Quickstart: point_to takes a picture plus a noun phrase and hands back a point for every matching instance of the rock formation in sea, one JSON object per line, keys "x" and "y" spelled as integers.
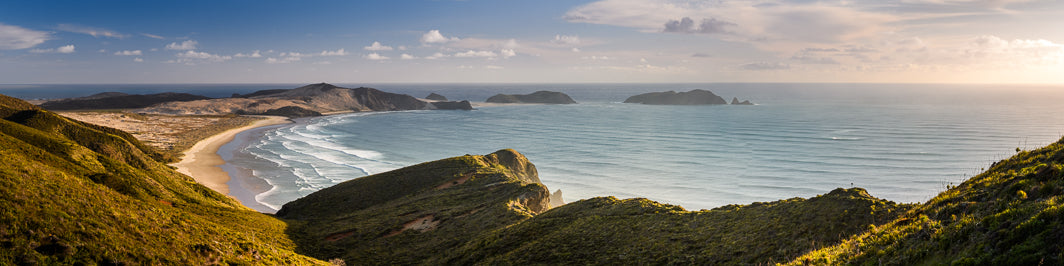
{"x": 735, "y": 101}
{"x": 436, "y": 97}
{"x": 694, "y": 97}
{"x": 548, "y": 97}
{"x": 445, "y": 105}
{"x": 118, "y": 100}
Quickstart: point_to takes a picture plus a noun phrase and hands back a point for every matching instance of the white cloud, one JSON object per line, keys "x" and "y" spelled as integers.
{"x": 707, "y": 26}
{"x": 185, "y": 45}
{"x": 434, "y": 36}
{"x": 493, "y": 67}
{"x": 138, "y": 60}
{"x": 375, "y": 57}
{"x": 192, "y": 57}
{"x": 153, "y": 36}
{"x": 339, "y": 52}
{"x": 376, "y": 46}
{"x": 95, "y": 32}
{"x": 472, "y": 53}
{"x": 575, "y": 50}
{"x": 406, "y": 57}
{"x": 128, "y": 52}
{"x": 15, "y": 37}
{"x": 283, "y": 60}
{"x": 66, "y": 49}
{"x": 566, "y": 40}
{"x": 507, "y": 53}
{"x": 254, "y": 54}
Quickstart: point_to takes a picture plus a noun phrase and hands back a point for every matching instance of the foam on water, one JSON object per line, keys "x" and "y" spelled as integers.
{"x": 694, "y": 156}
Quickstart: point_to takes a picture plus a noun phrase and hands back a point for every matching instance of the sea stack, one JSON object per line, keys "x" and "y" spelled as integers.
{"x": 735, "y": 101}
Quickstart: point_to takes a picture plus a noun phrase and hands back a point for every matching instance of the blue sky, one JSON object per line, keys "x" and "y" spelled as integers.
{"x": 936, "y": 41}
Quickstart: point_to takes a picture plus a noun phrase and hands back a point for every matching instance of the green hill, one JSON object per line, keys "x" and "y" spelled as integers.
{"x": 1012, "y": 214}
{"x": 75, "y": 193}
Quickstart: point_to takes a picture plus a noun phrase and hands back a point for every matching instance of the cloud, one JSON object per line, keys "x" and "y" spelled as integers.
{"x": 192, "y": 57}
{"x": 406, "y": 57}
{"x": 340, "y": 52}
{"x": 992, "y": 51}
{"x": 153, "y": 36}
{"x": 15, "y": 37}
{"x": 493, "y": 67}
{"x": 66, "y": 49}
{"x": 282, "y": 60}
{"x": 436, "y": 56}
{"x": 707, "y": 26}
{"x": 185, "y": 45}
{"x": 507, "y": 53}
{"x": 566, "y": 40}
{"x": 376, "y": 46}
{"x": 765, "y": 66}
{"x": 95, "y": 32}
{"x": 434, "y": 36}
{"x": 128, "y": 52}
{"x": 472, "y": 53}
{"x": 812, "y": 60}
{"x": 375, "y": 57}
{"x": 701, "y": 55}
{"x": 254, "y": 54}
{"x": 138, "y": 60}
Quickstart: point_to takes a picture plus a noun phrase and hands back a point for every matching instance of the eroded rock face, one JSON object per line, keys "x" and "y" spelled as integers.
{"x": 694, "y": 97}
{"x": 548, "y": 97}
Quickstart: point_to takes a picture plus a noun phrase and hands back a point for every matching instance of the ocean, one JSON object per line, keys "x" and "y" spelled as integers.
{"x": 902, "y": 142}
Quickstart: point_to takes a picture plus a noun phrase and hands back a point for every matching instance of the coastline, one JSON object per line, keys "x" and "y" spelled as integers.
{"x": 202, "y": 161}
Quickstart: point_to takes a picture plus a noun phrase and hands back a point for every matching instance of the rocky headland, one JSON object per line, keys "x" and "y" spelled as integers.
{"x": 543, "y": 97}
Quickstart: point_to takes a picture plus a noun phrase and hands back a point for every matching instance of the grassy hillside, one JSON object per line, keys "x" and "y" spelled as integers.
{"x": 75, "y": 193}
{"x": 415, "y": 213}
{"x": 638, "y": 231}
{"x": 1012, "y": 214}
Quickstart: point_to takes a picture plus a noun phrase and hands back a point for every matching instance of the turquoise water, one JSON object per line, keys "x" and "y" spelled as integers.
{"x": 901, "y": 142}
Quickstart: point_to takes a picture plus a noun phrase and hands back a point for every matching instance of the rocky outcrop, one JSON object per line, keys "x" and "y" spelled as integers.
{"x": 463, "y": 105}
{"x": 548, "y": 97}
{"x": 694, "y": 97}
{"x": 735, "y": 101}
{"x": 118, "y": 100}
{"x": 436, "y": 97}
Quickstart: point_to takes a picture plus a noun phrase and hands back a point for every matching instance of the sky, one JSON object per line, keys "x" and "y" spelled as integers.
{"x": 546, "y": 41}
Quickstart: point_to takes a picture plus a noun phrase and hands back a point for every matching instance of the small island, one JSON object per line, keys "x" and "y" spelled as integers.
{"x": 694, "y": 97}
{"x": 547, "y": 97}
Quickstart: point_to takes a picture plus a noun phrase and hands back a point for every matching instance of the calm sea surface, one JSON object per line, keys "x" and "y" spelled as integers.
{"x": 901, "y": 142}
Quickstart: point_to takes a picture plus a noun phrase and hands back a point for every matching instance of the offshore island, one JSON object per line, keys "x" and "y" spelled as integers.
{"x": 82, "y": 193}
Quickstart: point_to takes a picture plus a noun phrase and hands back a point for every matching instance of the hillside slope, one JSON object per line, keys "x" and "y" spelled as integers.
{"x": 75, "y": 193}
{"x": 1012, "y": 214}
{"x": 117, "y": 100}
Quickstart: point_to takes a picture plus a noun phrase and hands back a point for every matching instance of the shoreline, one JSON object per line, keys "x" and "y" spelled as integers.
{"x": 202, "y": 162}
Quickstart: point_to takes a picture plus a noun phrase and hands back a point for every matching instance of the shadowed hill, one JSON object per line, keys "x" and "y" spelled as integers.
{"x": 548, "y": 97}
{"x": 74, "y": 193}
{"x": 1012, "y": 214}
{"x": 117, "y": 100}
{"x": 693, "y": 97}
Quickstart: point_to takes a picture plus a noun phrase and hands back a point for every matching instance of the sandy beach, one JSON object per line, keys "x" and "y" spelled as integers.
{"x": 202, "y": 161}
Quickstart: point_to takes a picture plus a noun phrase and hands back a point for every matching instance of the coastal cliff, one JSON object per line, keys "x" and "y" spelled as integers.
{"x": 547, "y": 97}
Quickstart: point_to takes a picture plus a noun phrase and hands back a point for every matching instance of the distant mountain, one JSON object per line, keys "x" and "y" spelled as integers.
{"x": 693, "y": 97}
{"x": 548, "y": 97}
{"x": 311, "y": 100}
{"x": 118, "y": 100}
